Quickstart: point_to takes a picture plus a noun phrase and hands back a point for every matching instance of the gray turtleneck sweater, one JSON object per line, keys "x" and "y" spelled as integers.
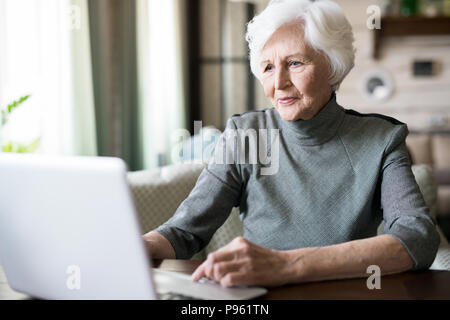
{"x": 338, "y": 176}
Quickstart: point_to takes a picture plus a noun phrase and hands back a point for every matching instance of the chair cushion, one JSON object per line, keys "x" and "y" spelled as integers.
{"x": 159, "y": 192}
{"x": 442, "y": 261}
{"x": 425, "y": 179}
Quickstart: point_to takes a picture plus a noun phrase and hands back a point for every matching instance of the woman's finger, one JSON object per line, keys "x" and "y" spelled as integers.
{"x": 199, "y": 272}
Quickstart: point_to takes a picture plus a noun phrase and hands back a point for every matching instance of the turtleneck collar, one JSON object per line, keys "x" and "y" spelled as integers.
{"x": 318, "y": 130}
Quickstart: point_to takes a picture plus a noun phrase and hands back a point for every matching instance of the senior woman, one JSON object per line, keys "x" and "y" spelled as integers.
{"x": 340, "y": 172}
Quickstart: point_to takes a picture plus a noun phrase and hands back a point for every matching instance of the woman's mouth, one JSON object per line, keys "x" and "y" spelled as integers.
{"x": 287, "y": 101}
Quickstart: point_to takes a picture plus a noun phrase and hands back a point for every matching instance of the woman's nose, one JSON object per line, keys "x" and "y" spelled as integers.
{"x": 282, "y": 79}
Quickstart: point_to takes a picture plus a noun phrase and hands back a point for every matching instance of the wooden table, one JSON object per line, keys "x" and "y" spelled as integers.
{"x": 429, "y": 284}
{"x": 404, "y": 286}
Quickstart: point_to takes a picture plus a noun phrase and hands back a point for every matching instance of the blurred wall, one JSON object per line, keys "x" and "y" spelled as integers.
{"x": 418, "y": 101}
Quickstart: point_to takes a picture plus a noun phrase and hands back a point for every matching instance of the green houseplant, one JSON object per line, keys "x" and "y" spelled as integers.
{"x": 11, "y": 146}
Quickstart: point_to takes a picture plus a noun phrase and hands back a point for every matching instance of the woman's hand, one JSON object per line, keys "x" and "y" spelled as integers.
{"x": 244, "y": 263}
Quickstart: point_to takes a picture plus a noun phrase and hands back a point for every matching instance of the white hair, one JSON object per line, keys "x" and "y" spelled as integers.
{"x": 326, "y": 29}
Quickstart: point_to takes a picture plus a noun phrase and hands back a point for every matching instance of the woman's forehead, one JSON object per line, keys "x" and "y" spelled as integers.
{"x": 285, "y": 49}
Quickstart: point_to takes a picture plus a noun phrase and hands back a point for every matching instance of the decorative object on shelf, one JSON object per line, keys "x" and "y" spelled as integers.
{"x": 423, "y": 68}
{"x": 11, "y": 146}
{"x": 431, "y": 8}
{"x": 409, "y": 26}
{"x": 377, "y": 86}
{"x": 409, "y": 8}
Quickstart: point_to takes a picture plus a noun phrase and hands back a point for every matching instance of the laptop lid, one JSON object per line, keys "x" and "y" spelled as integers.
{"x": 68, "y": 229}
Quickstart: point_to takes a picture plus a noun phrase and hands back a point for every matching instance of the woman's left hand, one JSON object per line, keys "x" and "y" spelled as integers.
{"x": 244, "y": 263}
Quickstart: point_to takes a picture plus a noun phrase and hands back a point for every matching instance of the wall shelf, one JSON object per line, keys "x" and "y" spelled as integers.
{"x": 409, "y": 26}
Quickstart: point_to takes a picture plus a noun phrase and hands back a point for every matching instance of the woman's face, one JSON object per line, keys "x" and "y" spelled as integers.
{"x": 295, "y": 77}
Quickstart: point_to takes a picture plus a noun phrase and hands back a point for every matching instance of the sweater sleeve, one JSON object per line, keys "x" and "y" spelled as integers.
{"x": 217, "y": 191}
{"x": 405, "y": 213}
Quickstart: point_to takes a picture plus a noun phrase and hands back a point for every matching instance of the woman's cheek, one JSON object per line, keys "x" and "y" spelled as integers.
{"x": 307, "y": 84}
{"x": 268, "y": 88}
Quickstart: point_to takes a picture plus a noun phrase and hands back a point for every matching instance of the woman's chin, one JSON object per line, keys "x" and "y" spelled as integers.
{"x": 289, "y": 115}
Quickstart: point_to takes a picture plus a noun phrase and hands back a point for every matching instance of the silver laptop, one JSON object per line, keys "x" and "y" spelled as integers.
{"x": 69, "y": 230}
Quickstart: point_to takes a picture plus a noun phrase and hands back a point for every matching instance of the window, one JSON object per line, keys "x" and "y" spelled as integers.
{"x": 37, "y": 57}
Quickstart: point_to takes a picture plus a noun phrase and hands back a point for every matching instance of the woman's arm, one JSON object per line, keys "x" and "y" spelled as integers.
{"x": 350, "y": 259}
{"x": 158, "y": 246}
{"x": 244, "y": 263}
{"x": 216, "y": 192}
{"x": 405, "y": 213}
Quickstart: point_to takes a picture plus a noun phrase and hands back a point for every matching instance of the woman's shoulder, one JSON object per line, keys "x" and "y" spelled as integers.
{"x": 373, "y": 117}
{"x": 373, "y": 127}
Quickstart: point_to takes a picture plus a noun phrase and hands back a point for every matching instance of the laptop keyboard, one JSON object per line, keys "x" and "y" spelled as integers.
{"x": 172, "y": 285}
{"x": 178, "y": 296}
{"x": 175, "y": 296}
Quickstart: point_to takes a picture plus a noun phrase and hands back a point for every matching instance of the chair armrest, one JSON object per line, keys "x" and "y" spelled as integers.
{"x": 425, "y": 179}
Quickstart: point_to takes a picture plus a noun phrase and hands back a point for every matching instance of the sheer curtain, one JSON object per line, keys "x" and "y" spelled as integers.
{"x": 44, "y": 52}
{"x": 161, "y": 69}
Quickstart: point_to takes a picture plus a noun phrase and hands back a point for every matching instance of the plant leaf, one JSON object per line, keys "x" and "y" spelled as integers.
{"x": 31, "y": 147}
{"x": 7, "y": 147}
{"x": 17, "y": 103}
{"x": 21, "y": 148}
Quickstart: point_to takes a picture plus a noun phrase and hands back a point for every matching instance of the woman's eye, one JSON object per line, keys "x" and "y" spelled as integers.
{"x": 268, "y": 68}
{"x": 295, "y": 63}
